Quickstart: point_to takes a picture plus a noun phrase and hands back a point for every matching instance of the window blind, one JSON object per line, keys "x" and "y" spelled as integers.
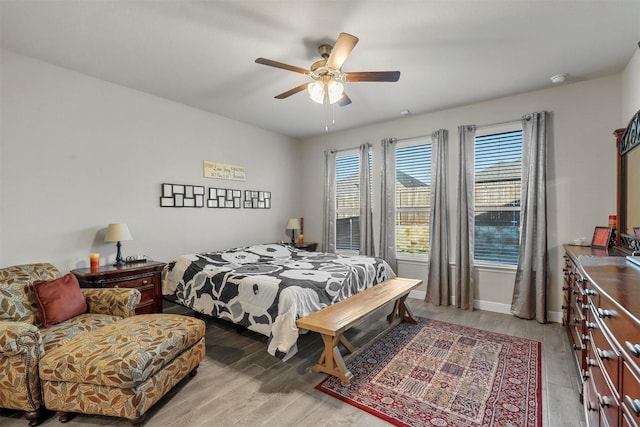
{"x": 498, "y": 176}
{"x": 413, "y": 197}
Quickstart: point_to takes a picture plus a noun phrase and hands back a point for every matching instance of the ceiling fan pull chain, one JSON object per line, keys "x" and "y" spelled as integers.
{"x": 326, "y": 109}
{"x": 333, "y": 114}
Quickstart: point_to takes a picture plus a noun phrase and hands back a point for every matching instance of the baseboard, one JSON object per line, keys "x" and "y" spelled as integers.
{"x": 496, "y": 307}
{"x": 555, "y": 316}
{"x": 421, "y": 295}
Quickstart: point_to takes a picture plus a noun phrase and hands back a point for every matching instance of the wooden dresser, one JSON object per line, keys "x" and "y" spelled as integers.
{"x": 602, "y": 318}
{"x": 144, "y": 276}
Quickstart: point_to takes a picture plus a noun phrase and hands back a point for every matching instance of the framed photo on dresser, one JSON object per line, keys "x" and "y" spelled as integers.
{"x": 601, "y": 237}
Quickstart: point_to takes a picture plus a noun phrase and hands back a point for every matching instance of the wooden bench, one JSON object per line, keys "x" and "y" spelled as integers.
{"x": 331, "y": 322}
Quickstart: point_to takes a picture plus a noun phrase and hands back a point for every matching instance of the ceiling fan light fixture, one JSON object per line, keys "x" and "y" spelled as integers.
{"x": 336, "y": 89}
{"x": 316, "y": 92}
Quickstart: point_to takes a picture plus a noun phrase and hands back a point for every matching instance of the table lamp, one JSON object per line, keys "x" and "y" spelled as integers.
{"x": 118, "y": 233}
{"x": 293, "y": 224}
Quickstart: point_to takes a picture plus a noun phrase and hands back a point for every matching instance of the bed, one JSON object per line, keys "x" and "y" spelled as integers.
{"x": 265, "y": 288}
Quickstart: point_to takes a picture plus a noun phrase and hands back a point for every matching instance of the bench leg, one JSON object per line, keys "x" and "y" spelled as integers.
{"x": 331, "y": 361}
{"x": 401, "y": 311}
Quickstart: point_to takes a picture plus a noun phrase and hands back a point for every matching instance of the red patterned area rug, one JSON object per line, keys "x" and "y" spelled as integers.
{"x": 439, "y": 374}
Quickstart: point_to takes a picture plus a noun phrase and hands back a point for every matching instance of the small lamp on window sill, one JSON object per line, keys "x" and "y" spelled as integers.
{"x": 118, "y": 233}
{"x": 293, "y": 224}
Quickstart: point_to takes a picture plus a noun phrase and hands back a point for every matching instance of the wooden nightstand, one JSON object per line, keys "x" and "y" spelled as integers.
{"x": 144, "y": 276}
{"x": 311, "y": 247}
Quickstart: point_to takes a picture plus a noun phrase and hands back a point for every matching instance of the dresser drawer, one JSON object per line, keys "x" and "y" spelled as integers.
{"x": 603, "y": 350}
{"x": 627, "y": 421}
{"x": 618, "y": 323}
{"x": 631, "y": 393}
{"x": 604, "y": 397}
{"x": 591, "y": 406}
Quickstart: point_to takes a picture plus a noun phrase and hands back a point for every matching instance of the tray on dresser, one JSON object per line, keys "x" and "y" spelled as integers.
{"x": 634, "y": 259}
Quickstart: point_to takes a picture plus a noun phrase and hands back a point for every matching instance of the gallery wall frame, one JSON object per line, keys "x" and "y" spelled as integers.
{"x": 257, "y": 199}
{"x": 182, "y": 196}
{"x": 224, "y": 198}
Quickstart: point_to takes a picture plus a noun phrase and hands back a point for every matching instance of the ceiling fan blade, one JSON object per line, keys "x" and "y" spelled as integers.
{"x": 290, "y": 92}
{"x": 344, "y": 101}
{"x": 277, "y": 64}
{"x": 372, "y": 76}
{"x": 340, "y": 52}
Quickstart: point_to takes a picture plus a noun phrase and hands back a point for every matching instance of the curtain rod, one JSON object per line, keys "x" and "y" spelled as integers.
{"x": 508, "y": 122}
{"x": 333, "y": 150}
{"x": 429, "y": 135}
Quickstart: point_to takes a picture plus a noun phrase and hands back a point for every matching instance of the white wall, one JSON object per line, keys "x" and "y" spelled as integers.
{"x": 77, "y": 153}
{"x": 581, "y": 169}
{"x": 631, "y": 88}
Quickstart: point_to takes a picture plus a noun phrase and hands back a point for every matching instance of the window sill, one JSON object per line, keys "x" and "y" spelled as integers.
{"x": 491, "y": 266}
{"x": 423, "y": 260}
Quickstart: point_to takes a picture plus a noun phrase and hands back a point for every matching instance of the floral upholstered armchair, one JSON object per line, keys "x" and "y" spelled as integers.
{"x": 24, "y": 339}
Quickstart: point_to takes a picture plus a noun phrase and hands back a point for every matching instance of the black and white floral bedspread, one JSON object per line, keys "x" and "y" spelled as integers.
{"x": 267, "y": 287}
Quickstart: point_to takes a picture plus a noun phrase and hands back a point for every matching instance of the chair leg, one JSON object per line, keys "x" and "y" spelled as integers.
{"x": 64, "y": 417}
{"x": 137, "y": 422}
{"x": 34, "y": 417}
{"x": 194, "y": 371}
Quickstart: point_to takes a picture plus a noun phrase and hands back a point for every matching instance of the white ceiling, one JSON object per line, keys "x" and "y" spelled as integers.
{"x": 450, "y": 53}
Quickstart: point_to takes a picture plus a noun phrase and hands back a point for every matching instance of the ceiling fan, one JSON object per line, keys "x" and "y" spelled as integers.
{"x": 327, "y": 74}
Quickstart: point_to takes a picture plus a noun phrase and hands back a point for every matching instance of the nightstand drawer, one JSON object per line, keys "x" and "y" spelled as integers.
{"x": 128, "y": 282}
{"x": 145, "y": 277}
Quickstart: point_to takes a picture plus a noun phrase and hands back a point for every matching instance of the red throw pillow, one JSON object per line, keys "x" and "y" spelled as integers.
{"x": 59, "y": 299}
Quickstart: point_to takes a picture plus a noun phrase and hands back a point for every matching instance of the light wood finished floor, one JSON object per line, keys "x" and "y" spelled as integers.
{"x": 239, "y": 384}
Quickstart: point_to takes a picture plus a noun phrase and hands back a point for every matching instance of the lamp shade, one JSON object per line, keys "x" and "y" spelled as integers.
{"x": 117, "y": 233}
{"x": 293, "y": 224}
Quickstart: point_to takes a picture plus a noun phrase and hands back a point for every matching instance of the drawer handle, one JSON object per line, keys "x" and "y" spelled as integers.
{"x": 634, "y": 404}
{"x": 591, "y": 407}
{"x": 585, "y": 338}
{"x": 606, "y": 401}
{"x": 144, "y": 282}
{"x": 591, "y": 325}
{"x": 606, "y": 313}
{"x": 591, "y": 292}
{"x": 606, "y": 354}
{"x": 565, "y": 288}
{"x": 633, "y": 348}
{"x": 585, "y": 306}
{"x": 592, "y": 362}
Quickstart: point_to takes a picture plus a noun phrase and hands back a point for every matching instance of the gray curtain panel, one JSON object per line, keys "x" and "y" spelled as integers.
{"x": 388, "y": 203}
{"x": 532, "y": 277}
{"x": 438, "y": 283}
{"x": 464, "y": 286}
{"x": 366, "y": 215}
{"x": 329, "y": 208}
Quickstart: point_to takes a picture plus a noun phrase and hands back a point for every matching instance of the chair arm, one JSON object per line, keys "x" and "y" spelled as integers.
{"x": 20, "y": 338}
{"x": 114, "y": 301}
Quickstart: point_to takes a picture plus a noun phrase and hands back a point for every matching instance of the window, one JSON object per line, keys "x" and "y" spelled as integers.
{"x": 413, "y": 197}
{"x": 348, "y": 202}
{"x": 498, "y": 176}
